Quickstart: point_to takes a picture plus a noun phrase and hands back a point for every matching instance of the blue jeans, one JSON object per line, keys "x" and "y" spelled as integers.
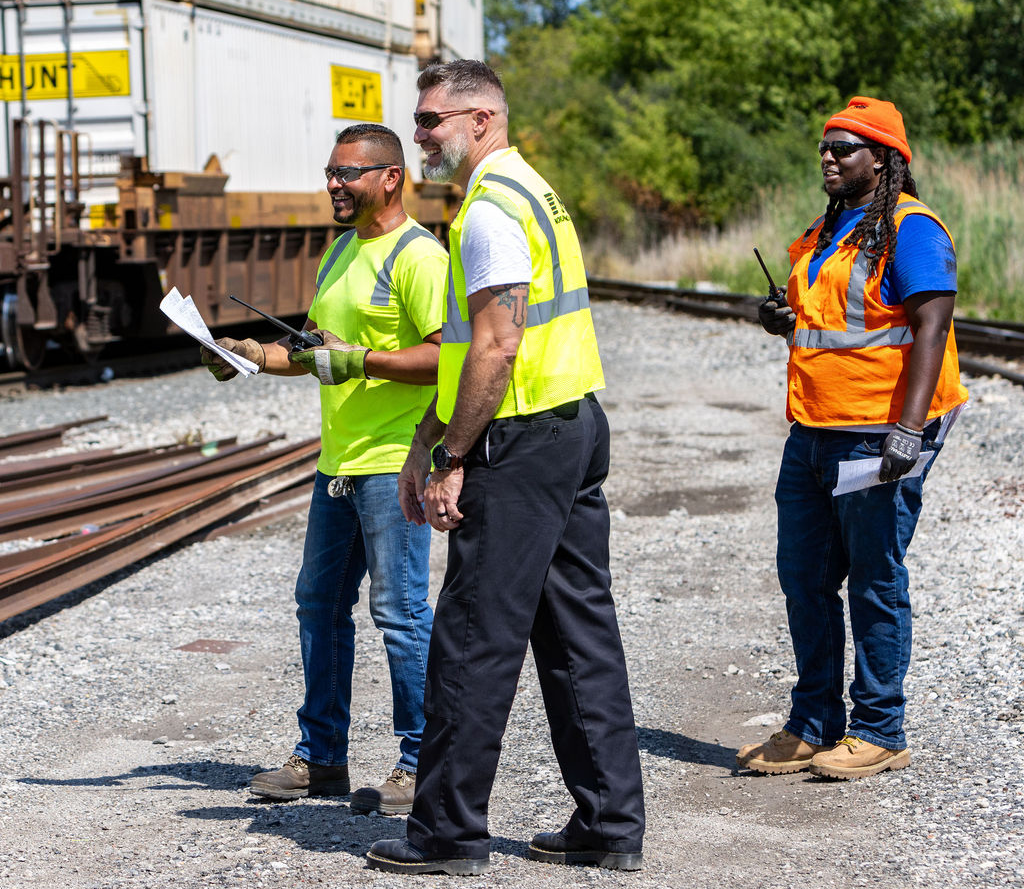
{"x": 861, "y": 537}
{"x": 346, "y": 537}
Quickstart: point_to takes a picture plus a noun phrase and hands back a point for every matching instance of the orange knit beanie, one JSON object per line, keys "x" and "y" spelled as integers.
{"x": 875, "y": 120}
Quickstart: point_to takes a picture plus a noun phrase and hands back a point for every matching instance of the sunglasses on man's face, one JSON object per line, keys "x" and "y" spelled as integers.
{"x": 348, "y": 174}
{"x": 428, "y": 120}
{"x": 842, "y": 149}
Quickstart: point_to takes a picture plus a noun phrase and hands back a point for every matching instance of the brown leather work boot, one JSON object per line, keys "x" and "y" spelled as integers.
{"x": 856, "y": 758}
{"x": 781, "y": 754}
{"x": 393, "y": 797}
{"x": 298, "y": 778}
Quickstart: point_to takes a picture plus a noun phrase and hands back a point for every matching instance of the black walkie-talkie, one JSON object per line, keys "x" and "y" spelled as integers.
{"x": 777, "y": 296}
{"x": 299, "y": 339}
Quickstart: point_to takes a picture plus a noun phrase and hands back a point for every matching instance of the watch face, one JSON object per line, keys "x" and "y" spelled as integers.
{"x": 445, "y": 459}
{"x": 440, "y": 456}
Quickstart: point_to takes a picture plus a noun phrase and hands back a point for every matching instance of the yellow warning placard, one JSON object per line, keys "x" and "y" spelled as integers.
{"x": 100, "y": 73}
{"x": 356, "y": 94}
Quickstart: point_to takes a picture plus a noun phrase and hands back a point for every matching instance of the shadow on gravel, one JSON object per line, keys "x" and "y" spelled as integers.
{"x": 325, "y": 827}
{"x": 205, "y": 774}
{"x": 683, "y": 748}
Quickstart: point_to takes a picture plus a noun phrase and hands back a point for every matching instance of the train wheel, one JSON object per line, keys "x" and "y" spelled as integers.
{"x": 22, "y": 346}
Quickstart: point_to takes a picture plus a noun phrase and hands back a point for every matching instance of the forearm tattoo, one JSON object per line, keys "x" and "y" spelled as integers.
{"x": 515, "y": 297}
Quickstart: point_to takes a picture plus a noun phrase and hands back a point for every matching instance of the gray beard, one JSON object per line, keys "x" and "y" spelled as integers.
{"x": 453, "y": 153}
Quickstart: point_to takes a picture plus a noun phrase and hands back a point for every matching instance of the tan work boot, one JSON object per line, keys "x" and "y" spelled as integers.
{"x": 393, "y": 797}
{"x": 781, "y": 754}
{"x": 298, "y": 778}
{"x": 856, "y": 758}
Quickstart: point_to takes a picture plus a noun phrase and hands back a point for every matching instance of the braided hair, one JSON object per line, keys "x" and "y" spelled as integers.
{"x": 875, "y": 234}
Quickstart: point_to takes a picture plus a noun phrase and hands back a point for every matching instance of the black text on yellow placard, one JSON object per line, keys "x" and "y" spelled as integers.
{"x": 356, "y": 94}
{"x": 100, "y": 73}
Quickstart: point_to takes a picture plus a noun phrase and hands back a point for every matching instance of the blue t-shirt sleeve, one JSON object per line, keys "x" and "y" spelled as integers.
{"x": 924, "y": 260}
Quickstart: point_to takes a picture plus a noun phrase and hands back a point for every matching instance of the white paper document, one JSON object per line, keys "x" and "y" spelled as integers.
{"x": 183, "y": 312}
{"x": 855, "y": 475}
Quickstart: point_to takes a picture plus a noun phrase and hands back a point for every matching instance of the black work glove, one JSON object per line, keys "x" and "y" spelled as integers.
{"x": 220, "y": 368}
{"x": 776, "y": 317}
{"x": 899, "y": 453}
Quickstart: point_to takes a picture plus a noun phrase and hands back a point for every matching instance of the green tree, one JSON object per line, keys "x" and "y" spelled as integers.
{"x": 651, "y": 114}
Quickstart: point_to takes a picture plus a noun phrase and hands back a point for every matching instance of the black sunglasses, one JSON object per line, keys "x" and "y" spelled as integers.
{"x": 347, "y": 174}
{"x": 843, "y": 149}
{"x": 430, "y": 119}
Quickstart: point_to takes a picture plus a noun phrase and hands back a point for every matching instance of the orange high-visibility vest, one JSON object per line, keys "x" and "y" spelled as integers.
{"x": 848, "y": 352}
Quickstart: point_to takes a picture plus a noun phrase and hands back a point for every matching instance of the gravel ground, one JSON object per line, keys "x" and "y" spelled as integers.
{"x": 126, "y": 758}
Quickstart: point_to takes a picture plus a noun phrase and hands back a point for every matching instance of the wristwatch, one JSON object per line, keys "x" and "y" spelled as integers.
{"x": 445, "y": 459}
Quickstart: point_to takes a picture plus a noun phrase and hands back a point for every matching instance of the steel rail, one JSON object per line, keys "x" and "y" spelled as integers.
{"x": 97, "y": 555}
{"x": 261, "y": 512}
{"x": 47, "y": 472}
{"x": 39, "y": 439}
{"x": 54, "y": 517}
{"x": 105, "y": 491}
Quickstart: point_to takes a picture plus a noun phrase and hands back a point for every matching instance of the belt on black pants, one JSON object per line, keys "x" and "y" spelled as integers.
{"x": 567, "y": 411}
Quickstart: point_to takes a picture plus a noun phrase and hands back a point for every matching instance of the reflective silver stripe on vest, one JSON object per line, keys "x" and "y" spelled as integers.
{"x": 844, "y": 339}
{"x": 339, "y": 245}
{"x": 382, "y": 289}
{"x": 455, "y": 330}
{"x": 856, "y": 336}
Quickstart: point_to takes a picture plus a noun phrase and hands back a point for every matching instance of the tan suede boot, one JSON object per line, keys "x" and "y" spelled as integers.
{"x": 781, "y": 754}
{"x": 856, "y": 758}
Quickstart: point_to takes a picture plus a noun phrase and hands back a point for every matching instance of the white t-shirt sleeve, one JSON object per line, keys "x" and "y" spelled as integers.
{"x": 493, "y": 248}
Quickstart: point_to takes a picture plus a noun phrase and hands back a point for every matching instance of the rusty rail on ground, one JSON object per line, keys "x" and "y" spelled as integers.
{"x": 102, "y": 511}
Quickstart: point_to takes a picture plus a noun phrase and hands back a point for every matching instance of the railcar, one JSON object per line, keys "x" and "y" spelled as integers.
{"x": 150, "y": 143}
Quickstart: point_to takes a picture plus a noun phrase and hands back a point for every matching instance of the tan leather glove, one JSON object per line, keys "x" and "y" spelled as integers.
{"x": 220, "y": 369}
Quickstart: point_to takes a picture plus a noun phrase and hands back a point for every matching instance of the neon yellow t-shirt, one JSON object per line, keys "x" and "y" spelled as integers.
{"x": 385, "y": 293}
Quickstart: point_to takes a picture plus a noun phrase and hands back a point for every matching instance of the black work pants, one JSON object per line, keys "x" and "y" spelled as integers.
{"x": 529, "y": 563}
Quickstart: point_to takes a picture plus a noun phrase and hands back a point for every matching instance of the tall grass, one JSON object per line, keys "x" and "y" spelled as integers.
{"x": 976, "y": 191}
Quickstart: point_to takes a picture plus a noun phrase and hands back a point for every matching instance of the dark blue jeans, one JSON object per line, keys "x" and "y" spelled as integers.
{"x": 861, "y": 537}
{"x": 346, "y": 537}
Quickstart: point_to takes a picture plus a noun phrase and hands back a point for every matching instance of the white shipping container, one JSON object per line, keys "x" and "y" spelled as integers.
{"x": 265, "y": 85}
{"x": 264, "y": 99}
{"x": 462, "y": 29}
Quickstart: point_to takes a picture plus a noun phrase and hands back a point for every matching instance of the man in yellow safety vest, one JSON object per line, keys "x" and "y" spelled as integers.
{"x": 520, "y": 450}
{"x": 377, "y": 306}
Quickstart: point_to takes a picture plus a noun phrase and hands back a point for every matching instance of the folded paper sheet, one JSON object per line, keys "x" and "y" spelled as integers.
{"x": 855, "y": 475}
{"x": 183, "y": 312}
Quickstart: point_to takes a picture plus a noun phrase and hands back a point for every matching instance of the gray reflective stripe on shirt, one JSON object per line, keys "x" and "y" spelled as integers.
{"x": 856, "y": 336}
{"x": 339, "y": 245}
{"x": 455, "y": 330}
{"x": 382, "y": 289}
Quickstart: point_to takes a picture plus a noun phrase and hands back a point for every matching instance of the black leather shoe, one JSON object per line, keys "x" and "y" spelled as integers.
{"x": 556, "y": 848}
{"x": 402, "y": 857}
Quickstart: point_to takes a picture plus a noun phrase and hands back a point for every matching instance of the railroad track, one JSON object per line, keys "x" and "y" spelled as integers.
{"x": 992, "y": 339}
{"x": 100, "y": 511}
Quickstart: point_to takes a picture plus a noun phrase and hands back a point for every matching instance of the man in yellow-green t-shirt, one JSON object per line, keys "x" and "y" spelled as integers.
{"x": 378, "y": 302}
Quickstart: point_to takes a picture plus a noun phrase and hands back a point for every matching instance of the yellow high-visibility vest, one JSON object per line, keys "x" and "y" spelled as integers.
{"x": 557, "y": 361}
